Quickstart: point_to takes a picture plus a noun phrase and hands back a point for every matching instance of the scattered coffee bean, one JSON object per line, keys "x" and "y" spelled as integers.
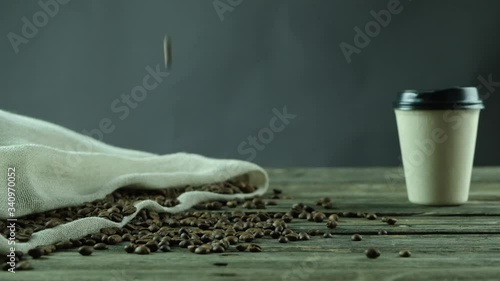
{"x": 283, "y": 239}
{"x": 254, "y": 248}
{"x": 327, "y": 235}
{"x": 384, "y": 219}
{"x": 356, "y": 237}
{"x": 201, "y": 251}
{"x": 319, "y": 217}
{"x": 142, "y": 250}
{"x": 85, "y": 250}
{"x": 242, "y": 247}
{"x": 304, "y": 236}
{"x": 404, "y": 253}
{"x": 35, "y": 253}
{"x": 23, "y": 265}
{"x": 164, "y": 248}
{"x": 382, "y": 232}
{"x": 333, "y": 217}
{"x": 331, "y": 224}
{"x": 100, "y": 246}
{"x": 129, "y": 248}
{"x": 391, "y": 221}
{"x": 152, "y": 245}
{"x": 372, "y": 253}
{"x": 371, "y": 216}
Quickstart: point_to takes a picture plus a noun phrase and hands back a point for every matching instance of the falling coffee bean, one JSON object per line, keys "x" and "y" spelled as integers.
{"x": 404, "y": 253}
{"x": 356, "y": 237}
{"x": 372, "y": 253}
{"x": 85, "y": 250}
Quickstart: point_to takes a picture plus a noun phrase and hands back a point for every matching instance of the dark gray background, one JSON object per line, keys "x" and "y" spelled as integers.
{"x": 228, "y": 75}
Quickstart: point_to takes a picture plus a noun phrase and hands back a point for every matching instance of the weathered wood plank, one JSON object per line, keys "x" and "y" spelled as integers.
{"x": 448, "y": 243}
{"x": 477, "y": 256}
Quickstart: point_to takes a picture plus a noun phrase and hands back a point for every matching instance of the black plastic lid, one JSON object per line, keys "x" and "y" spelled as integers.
{"x": 451, "y": 98}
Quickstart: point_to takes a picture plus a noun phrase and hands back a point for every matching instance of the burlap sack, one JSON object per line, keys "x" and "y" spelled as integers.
{"x": 56, "y": 167}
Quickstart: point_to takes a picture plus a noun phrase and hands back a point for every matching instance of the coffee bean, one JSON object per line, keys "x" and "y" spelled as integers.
{"x": 349, "y": 214}
{"x": 319, "y": 217}
{"x": 391, "y": 221}
{"x": 283, "y": 239}
{"x": 356, "y": 237}
{"x": 292, "y": 237}
{"x": 191, "y": 248}
{"x": 382, "y": 232}
{"x": 331, "y": 224}
{"x": 275, "y": 234}
{"x": 201, "y": 251}
{"x": 404, "y": 253}
{"x": 164, "y": 248}
{"x": 23, "y": 265}
{"x": 242, "y": 247}
{"x": 328, "y": 205}
{"x": 233, "y": 240}
{"x": 304, "y": 236}
{"x": 372, "y": 253}
{"x": 114, "y": 239}
{"x": 327, "y": 235}
{"x": 246, "y": 237}
{"x": 129, "y": 248}
{"x": 315, "y": 232}
{"x": 217, "y": 248}
{"x": 371, "y": 216}
{"x": 152, "y": 245}
{"x": 185, "y": 243}
{"x": 384, "y": 219}
{"x": 287, "y": 218}
{"x": 85, "y": 250}
{"x": 254, "y": 248}
{"x": 142, "y": 250}
{"x": 89, "y": 242}
{"x": 100, "y": 246}
{"x": 303, "y": 215}
{"x": 35, "y": 253}
{"x": 333, "y": 217}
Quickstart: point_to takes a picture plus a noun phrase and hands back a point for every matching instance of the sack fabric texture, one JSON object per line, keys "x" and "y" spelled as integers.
{"x": 53, "y": 167}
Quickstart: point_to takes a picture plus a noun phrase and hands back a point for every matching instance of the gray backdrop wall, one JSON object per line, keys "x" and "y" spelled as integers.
{"x": 237, "y": 62}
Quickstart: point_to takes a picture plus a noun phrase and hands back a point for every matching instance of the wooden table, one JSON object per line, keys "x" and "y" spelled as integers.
{"x": 447, "y": 243}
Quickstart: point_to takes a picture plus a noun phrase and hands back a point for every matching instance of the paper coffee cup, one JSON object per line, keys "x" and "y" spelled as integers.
{"x": 437, "y": 134}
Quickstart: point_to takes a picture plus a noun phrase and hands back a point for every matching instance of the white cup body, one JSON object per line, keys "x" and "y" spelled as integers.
{"x": 437, "y": 148}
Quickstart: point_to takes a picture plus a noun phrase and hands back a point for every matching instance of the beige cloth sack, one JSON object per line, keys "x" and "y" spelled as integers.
{"x": 56, "y": 167}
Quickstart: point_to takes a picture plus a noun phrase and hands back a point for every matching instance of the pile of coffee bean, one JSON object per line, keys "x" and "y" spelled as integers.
{"x": 207, "y": 228}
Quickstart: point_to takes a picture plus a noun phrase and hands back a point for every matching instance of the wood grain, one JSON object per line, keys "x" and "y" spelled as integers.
{"x": 447, "y": 243}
